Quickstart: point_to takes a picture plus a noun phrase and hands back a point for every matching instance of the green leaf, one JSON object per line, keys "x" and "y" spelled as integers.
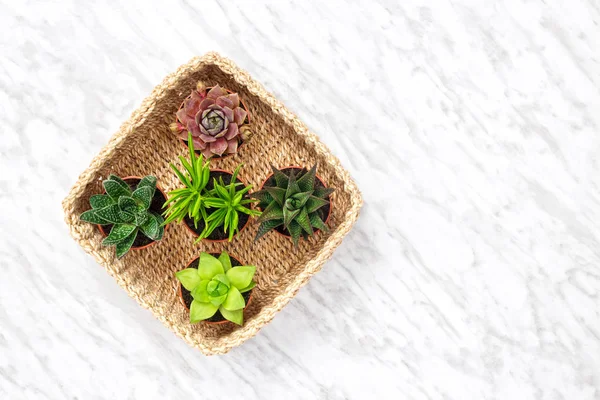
{"x": 292, "y": 187}
{"x": 218, "y": 215}
{"x": 223, "y": 279}
{"x": 263, "y": 196}
{"x": 304, "y": 222}
{"x": 248, "y": 288}
{"x": 118, "y": 233}
{"x": 248, "y": 211}
{"x": 141, "y": 217}
{"x": 187, "y": 166}
{"x": 240, "y": 277}
{"x": 240, "y": 193}
{"x": 189, "y": 278}
{"x": 113, "y": 214}
{"x": 281, "y": 179}
{"x": 197, "y": 165}
{"x": 236, "y": 316}
{"x": 201, "y": 311}
{"x": 217, "y": 301}
{"x": 307, "y": 181}
{"x": 267, "y": 226}
{"x": 143, "y": 195}
{"x": 323, "y": 192}
{"x": 234, "y": 300}
{"x": 233, "y": 227}
{"x": 212, "y": 225}
{"x": 205, "y": 176}
{"x": 314, "y": 203}
{"x": 214, "y": 202}
{"x": 209, "y": 266}
{"x": 221, "y": 191}
{"x": 92, "y": 217}
{"x": 273, "y": 211}
{"x": 233, "y": 180}
{"x": 317, "y": 222}
{"x": 295, "y": 230}
{"x": 200, "y": 293}
{"x": 128, "y": 204}
{"x": 123, "y": 247}
{"x": 161, "y": 228}
{"x": 190, "y": 143}
{"x": 116, "y": 189}
{"x": 115, "y": 178}
{"x": 148, "y": 181}
{"x": 197, "y": 204}
{"x": 181, "y": 177}
{"x": 289, "y": 215}
{"x": 101, "y": 201}
{"x": 225, "y": 261}
{"x": 151, "y": 227}
{"x": 301, "y": 198}
{"x": 278, "y": 194}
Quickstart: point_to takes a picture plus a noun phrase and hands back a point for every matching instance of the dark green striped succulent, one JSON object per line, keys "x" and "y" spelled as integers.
{"x": 295, "y": 203}
{"x": 127, "y": 211}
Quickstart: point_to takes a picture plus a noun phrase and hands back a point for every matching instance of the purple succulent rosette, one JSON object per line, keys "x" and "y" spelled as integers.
{"x": 215, "y": 119}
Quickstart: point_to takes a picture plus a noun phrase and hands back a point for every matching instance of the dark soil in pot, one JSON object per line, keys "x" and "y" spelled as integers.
{"x": 158, "y": 200}
{"x": 219, "y": 233}
{"x": 187, "y": 298}
{"x": 323, "y": 212}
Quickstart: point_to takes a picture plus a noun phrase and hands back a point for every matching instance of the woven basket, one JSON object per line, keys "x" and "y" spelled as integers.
{"x": 144, "y": 145}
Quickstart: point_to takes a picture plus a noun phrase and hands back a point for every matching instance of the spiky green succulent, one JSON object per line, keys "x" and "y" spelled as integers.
{"x": 189, "y": 201}
{"x": 294, "y": 203}
{"x": 128, "y": 211}
{"x": 227, "y": 202}
{"x": 217, "y": 286}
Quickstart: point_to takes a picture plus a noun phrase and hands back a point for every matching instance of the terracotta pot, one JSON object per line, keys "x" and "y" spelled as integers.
{"x": 226, "y": 239}
{"x": 101, "y": 228}
{"x": 184, "y": 142}
{"x": 180, "y": 292}
{"x": 320, "y": 180}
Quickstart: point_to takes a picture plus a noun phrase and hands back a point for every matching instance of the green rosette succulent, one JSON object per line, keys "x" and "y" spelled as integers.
{"x": 294, "y": 204}
{"x": 217, "y": 286}
{"x": 127, "y": 211}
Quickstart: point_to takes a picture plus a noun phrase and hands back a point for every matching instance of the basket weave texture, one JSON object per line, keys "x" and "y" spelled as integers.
{"x": 144, "y": 145}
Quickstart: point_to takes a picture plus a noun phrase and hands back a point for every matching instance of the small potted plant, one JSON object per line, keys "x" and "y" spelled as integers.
{"x": 130, "y": 210}
{"x": 217, "y": 119}
{"x": 213, "y": 204}
{"x": 294, "y": 202}
{"x": 216, "y": 290}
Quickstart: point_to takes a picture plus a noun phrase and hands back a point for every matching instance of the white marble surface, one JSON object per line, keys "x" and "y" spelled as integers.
{"x": 472, "y": 128}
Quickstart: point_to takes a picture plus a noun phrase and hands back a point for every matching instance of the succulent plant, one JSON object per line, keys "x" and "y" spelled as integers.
{"x": 294, "y": 203}
{"x": 217, "y": 286}
{"x": 214, "y": 118}
{"x": 195, "y": 200}
{"x": 227, "y": 202}
{"x": 128, "y": 212}
{"x": 190, "y": 200}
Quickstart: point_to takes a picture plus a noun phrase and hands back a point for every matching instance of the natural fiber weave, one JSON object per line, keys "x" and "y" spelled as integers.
{"x": 144, "y": 145}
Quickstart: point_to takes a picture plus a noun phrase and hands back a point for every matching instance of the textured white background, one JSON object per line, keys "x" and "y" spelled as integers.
{"x": 470, "y": 126}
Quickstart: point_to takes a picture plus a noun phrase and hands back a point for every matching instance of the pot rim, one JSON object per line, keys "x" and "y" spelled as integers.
{"x": 103, "y": 232}
{"x": 226, "y": 239}
{"x": 242, "y": 102}
{"x": 318, "y": 177}
{"x": 180, "y": 292}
